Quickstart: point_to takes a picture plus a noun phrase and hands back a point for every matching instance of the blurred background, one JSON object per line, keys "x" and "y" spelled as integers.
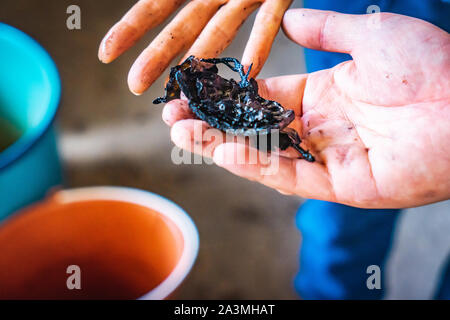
{"x": 108, "y": 136}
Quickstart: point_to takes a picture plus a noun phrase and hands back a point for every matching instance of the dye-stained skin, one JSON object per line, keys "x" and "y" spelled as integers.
{"x": 203, "y": 28}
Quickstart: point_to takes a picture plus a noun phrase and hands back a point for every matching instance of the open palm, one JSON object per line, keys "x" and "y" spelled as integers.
{"x": 379, "y": 125}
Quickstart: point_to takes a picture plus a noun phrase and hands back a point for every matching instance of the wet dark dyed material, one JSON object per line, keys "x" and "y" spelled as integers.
{"x": 234, "y": 107}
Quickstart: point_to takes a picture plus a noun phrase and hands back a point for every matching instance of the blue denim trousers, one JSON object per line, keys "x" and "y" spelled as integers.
{"x": 340, "y": 242}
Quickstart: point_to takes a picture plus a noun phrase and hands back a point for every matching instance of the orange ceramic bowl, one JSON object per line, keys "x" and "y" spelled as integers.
{"x": 97, "y": 243}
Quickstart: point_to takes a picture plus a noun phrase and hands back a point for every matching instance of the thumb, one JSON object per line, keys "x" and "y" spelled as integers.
{"x": 325, "y": 30}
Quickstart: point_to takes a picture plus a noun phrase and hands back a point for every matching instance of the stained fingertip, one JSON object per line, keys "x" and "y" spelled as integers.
{"x": 176, "y": 110}
{"x": 325, "y": 30}
{"x": 104, "y": 50}
{"x": 266, "y": 27}
{"x": 102, "y": 56}
{"x": 256, "y": 67}
{"x": 134, "y": 81}
{"x": 119, "y": 38}
{"x": 167, "y": 116}
{"x": 180, "y": 135}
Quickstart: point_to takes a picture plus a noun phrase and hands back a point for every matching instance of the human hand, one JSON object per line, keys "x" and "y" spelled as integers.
{"x": 203, "y": 27}
{"x": 378, "y": 125}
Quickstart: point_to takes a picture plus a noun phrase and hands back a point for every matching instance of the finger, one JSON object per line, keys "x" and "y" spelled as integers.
{"x": 309, "y": 180}
{"x": 196, "y": 136}
{"x": 176, "y": 110}
{"x": 144, "y": 15}
{"x": 265, "y": 29}
{"x": 325, "y": 30}
{"x": 177, "y": 36}
{"x": 222, "y": 28}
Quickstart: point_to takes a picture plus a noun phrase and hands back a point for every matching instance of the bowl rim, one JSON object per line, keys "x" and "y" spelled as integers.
{"x": 26, "y": 142}
{"x": 148, "y": 199}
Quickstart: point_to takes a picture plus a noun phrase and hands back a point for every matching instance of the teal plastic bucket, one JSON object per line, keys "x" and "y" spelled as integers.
{"x": 30, "y": 90}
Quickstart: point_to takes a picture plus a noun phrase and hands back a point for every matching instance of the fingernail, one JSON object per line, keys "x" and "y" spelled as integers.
{"x": 219, "y": 155}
